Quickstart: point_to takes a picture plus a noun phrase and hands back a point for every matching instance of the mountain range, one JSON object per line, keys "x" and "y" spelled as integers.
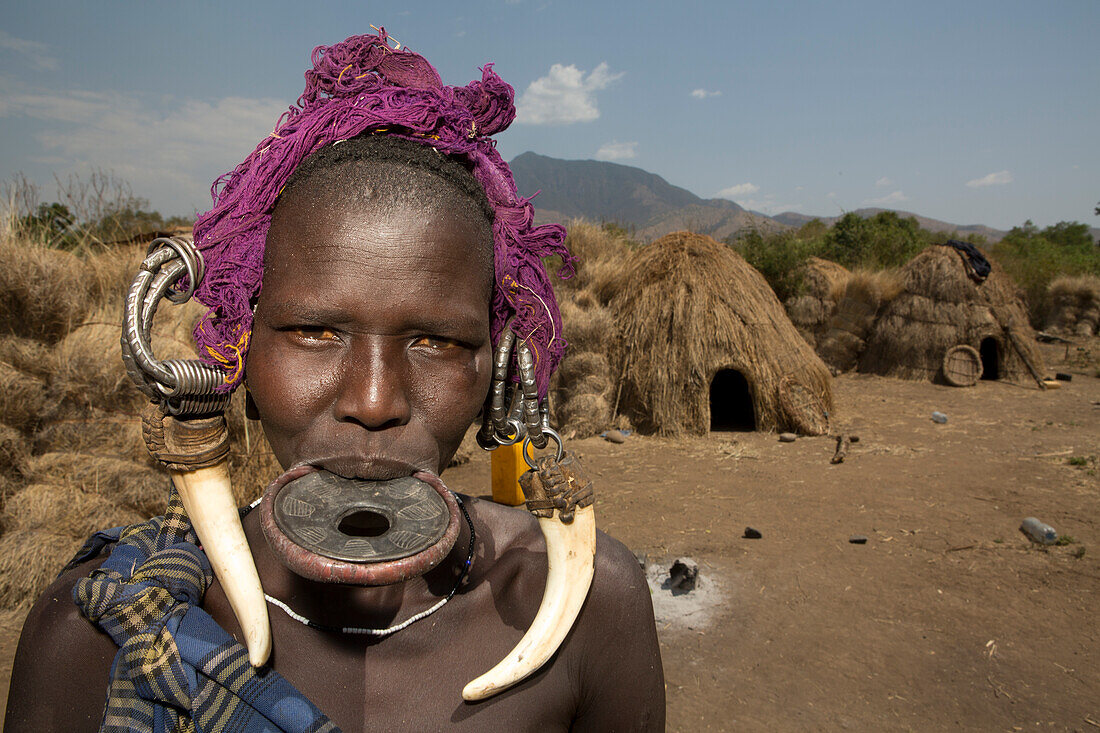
{"x": 652, "y": 207}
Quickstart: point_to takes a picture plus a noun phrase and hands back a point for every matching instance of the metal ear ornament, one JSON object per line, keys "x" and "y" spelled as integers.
{"x": 185, "y": 430}
{"x": 559, "y": 494}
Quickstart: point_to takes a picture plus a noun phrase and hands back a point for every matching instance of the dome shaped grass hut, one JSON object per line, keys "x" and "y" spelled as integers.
{"x": 704, "y": 344}
{"x": 944, "y": 304}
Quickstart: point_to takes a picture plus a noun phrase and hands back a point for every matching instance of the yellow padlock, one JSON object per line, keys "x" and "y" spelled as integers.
{"x": 507, "y": 466}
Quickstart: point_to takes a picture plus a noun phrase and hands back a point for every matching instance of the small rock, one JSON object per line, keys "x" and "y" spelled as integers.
{"x": 614, "y": 436}
{"x": 642, "y": 559}
{"x": 752, "y": 534}
{"x": 858, "y": 539}
{"x": 939, "y": 417}
{"x": 683, "y": 574}
{"x": 1063, "y": 377}
{"x": 787, "y": 437}
{"x": 853, "y": 438}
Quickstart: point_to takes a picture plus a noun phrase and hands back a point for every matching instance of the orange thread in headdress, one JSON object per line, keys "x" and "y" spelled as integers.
{"x": 237, "y": 361}
{"x": 341, "y": 76}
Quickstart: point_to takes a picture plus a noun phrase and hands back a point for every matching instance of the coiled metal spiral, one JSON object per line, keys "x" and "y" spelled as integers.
{"x": 182, "y": 387}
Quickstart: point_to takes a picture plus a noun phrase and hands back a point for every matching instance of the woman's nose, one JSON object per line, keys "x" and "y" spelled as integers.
{"x": 372, "y": 388}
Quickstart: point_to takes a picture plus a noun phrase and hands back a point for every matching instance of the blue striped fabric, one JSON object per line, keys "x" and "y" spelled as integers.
{"x": 176, "y": 670}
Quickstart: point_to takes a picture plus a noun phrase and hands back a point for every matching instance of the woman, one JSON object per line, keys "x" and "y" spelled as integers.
{"x": 400, "y": 271}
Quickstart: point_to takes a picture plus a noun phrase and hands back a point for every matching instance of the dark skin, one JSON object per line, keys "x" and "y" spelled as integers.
{"x": 370, "y": 356}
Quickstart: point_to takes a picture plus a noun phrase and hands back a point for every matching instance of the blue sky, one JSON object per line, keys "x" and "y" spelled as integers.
{"x": 971, "y": 112}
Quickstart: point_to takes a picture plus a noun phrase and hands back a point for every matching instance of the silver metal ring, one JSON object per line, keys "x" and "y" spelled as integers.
{"x": 550, "y": 433}
{"x": 192, "y": 260}
{"x": 519, "y": 432}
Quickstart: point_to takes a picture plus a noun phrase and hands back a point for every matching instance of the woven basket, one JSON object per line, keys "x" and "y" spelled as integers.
{"x": 962, "y": 366}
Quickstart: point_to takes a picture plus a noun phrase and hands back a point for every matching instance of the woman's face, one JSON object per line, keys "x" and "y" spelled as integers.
{"x": 370, "y": 352}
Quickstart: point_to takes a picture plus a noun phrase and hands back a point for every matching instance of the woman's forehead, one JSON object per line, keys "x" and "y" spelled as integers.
{"x": 327, "y": 246}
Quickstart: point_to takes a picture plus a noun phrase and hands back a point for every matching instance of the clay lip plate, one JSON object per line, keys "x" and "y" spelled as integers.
{"x": 309, "y": 509}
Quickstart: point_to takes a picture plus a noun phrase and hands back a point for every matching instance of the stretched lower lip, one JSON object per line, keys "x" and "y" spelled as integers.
{"x": 376, "y": 468}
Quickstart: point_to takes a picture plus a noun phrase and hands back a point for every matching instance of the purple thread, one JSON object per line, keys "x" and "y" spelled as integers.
{"x": 357, "y": 86}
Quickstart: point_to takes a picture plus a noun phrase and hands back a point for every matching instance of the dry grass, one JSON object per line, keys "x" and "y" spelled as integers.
{"x": 601, "y": 254}
{"x": 131, "y": 485}
{"x": 43, "y": 292}
{"x": 65, "y": 510}
{"x": 583, "y": 387}
{"x": 25, "y": 400}
{"x": 694, "y": 307}
{"x": 96, "y": 433}
{"x": 588, "y": 328}
{"x": 14, "y": 449}
{"x": 1075, "y": 305}
{"x": 941, "y": 307}
{"x": 845, "y": 337}
{"x": 586, "y": 414}
{"x": 29, "y": 561}
{"x": 824, "y": 279}
{"x": 88, "y": 369}
{"x": 27, "y": 355}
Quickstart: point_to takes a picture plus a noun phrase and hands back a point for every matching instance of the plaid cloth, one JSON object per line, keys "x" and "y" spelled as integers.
{"x": 176, "y": 670}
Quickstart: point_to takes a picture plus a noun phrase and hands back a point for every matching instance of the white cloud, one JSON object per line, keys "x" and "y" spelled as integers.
{"x": 742, "y": 192}
{"x": 169, "y": 150}
{"x": 37, "y": 55}
{"x": 891, "y": 198}
{"x": 734, "y": 193}
{"x": 884, "y": 181}
{"x": 704, "y": 93}
{"x": 564, "y": 96}
{"x": 616, "y": 150}
{"x": 767, "y": 205}
{"x": 831, "y": 195}
{"x": 798, "y": 188}
{"x": 999, "y": 178}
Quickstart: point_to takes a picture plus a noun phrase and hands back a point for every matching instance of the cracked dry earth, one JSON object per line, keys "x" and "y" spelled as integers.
{"x": 947, "y": 618}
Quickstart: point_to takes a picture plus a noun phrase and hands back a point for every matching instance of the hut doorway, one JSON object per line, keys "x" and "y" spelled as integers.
{"x": 731, "y": 402}
{"x": 990, "y": 352}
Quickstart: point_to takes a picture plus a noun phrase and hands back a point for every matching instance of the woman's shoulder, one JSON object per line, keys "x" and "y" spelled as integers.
{"x": 62, "y": 664}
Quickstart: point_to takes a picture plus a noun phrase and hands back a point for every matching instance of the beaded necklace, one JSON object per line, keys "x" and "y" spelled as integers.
{"x": 412, "y": 619}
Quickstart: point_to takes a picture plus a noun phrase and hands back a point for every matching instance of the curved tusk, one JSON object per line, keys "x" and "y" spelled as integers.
{"x": 570, "y": 554}
{"x": 208, "y": 498}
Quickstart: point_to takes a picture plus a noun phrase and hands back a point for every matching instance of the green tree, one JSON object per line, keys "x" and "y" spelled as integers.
{"x": 49, "y": 223}
{"x": 1034, "y": 257}
{"x": 883, "y": 240}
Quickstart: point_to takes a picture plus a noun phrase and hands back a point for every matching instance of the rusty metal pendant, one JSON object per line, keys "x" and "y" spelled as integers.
{"x": 334, "y": 529}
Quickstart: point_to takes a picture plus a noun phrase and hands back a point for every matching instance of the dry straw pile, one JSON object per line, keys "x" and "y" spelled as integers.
{"x": 690, "y": 307}
{"x": 860, "y": 300}
{"x": 71, "y": 455}
{"x": 823, "y": 284}
{"x": 1075, "y": 305}
{"x": 583, "y": 393}
{"x": 940, "y": 306}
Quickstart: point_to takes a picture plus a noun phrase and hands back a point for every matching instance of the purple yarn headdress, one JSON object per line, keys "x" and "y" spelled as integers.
{"x": 362, "y": 86}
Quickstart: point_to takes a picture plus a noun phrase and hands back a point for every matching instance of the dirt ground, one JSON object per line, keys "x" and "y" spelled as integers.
{"x": 948, "y": 617}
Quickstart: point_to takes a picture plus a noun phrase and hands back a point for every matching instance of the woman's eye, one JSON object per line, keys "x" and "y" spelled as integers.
{"x": 314, "y": 333}
{"x": 437, "y": 343}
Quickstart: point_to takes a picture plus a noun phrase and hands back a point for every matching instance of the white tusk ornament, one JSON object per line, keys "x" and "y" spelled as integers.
{"x": 559, "y": 493}
{"x": 570, "y": 554}
{"x": 208, "y": 498}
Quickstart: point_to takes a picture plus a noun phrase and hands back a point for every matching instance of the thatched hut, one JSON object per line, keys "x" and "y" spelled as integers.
{"x": 1075, "y": 305}
{"x": 823, "y": 284}
{"x": 943, "y": 305}
{"x": 703, "y": 344}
